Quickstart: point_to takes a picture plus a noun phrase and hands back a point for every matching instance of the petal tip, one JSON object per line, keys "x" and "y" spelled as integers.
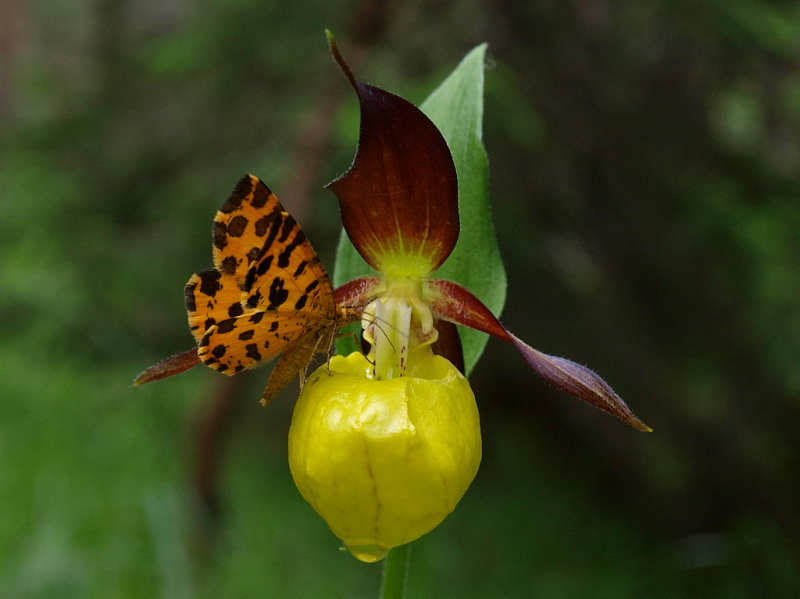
{"x": 579, "y": 381}
{"x": 337, "y": 56}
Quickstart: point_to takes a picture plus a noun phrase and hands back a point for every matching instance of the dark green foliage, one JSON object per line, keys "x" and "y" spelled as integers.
{"x": 644, "y": 160}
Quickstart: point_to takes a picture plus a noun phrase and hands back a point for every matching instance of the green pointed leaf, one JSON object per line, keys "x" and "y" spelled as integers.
{"x": 456, "y": 107}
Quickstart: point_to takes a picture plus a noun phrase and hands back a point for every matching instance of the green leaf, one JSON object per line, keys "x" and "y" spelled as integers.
{"x": 456, "y": 107}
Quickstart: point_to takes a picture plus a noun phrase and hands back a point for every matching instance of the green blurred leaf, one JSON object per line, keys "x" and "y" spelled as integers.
{"x": 456, "y": 107}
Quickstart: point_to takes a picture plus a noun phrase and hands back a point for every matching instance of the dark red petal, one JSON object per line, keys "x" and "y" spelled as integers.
{"x": 356, "y": 294}
{"x": 450, "y": 301}
{"x": 399, "y": 199}
{"x": 169, "y": 367}
{"x": 578, "y": 381}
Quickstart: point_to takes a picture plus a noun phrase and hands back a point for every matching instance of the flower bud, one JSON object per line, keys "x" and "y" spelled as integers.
{"x": 384, "y": 462}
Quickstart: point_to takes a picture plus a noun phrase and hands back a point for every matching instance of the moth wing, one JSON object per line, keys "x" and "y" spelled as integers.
{"x": 259, "y": 299}
{"x": 248, "y": 221}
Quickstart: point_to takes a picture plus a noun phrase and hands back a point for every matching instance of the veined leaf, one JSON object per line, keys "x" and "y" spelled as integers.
{"x": 456, "y": 107}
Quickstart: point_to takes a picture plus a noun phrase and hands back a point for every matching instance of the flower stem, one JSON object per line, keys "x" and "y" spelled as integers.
{"x": 395, "y": 572}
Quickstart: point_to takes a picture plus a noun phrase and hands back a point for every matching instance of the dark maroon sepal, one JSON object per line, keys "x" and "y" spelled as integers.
{"x": 450, "y": 301}
{"x": 400, "y": 196}
{"x": 448, "y": 344}
{"x": 169, "y": 367}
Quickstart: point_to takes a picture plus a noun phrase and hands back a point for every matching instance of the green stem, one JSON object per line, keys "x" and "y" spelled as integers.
{"x": 395, "y": 572}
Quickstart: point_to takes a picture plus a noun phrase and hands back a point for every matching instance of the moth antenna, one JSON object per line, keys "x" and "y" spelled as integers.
{"x": 376, "y": 320}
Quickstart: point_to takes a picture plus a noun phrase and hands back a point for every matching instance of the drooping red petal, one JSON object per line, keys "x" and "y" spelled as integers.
{"x": 579, "y": 381}
{"x": 399, "y": 199}
{"x": 450, "y": 301}
{"x": 168, "y": 367}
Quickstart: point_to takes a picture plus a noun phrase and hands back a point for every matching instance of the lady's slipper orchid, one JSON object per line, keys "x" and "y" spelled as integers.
{"x": 385, "y": 446}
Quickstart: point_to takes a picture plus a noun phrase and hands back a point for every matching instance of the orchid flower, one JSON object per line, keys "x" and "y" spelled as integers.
{"x": 384, "y": 445}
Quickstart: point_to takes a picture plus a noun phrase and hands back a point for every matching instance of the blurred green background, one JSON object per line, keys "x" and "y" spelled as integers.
{"x": 644, "y": 158}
